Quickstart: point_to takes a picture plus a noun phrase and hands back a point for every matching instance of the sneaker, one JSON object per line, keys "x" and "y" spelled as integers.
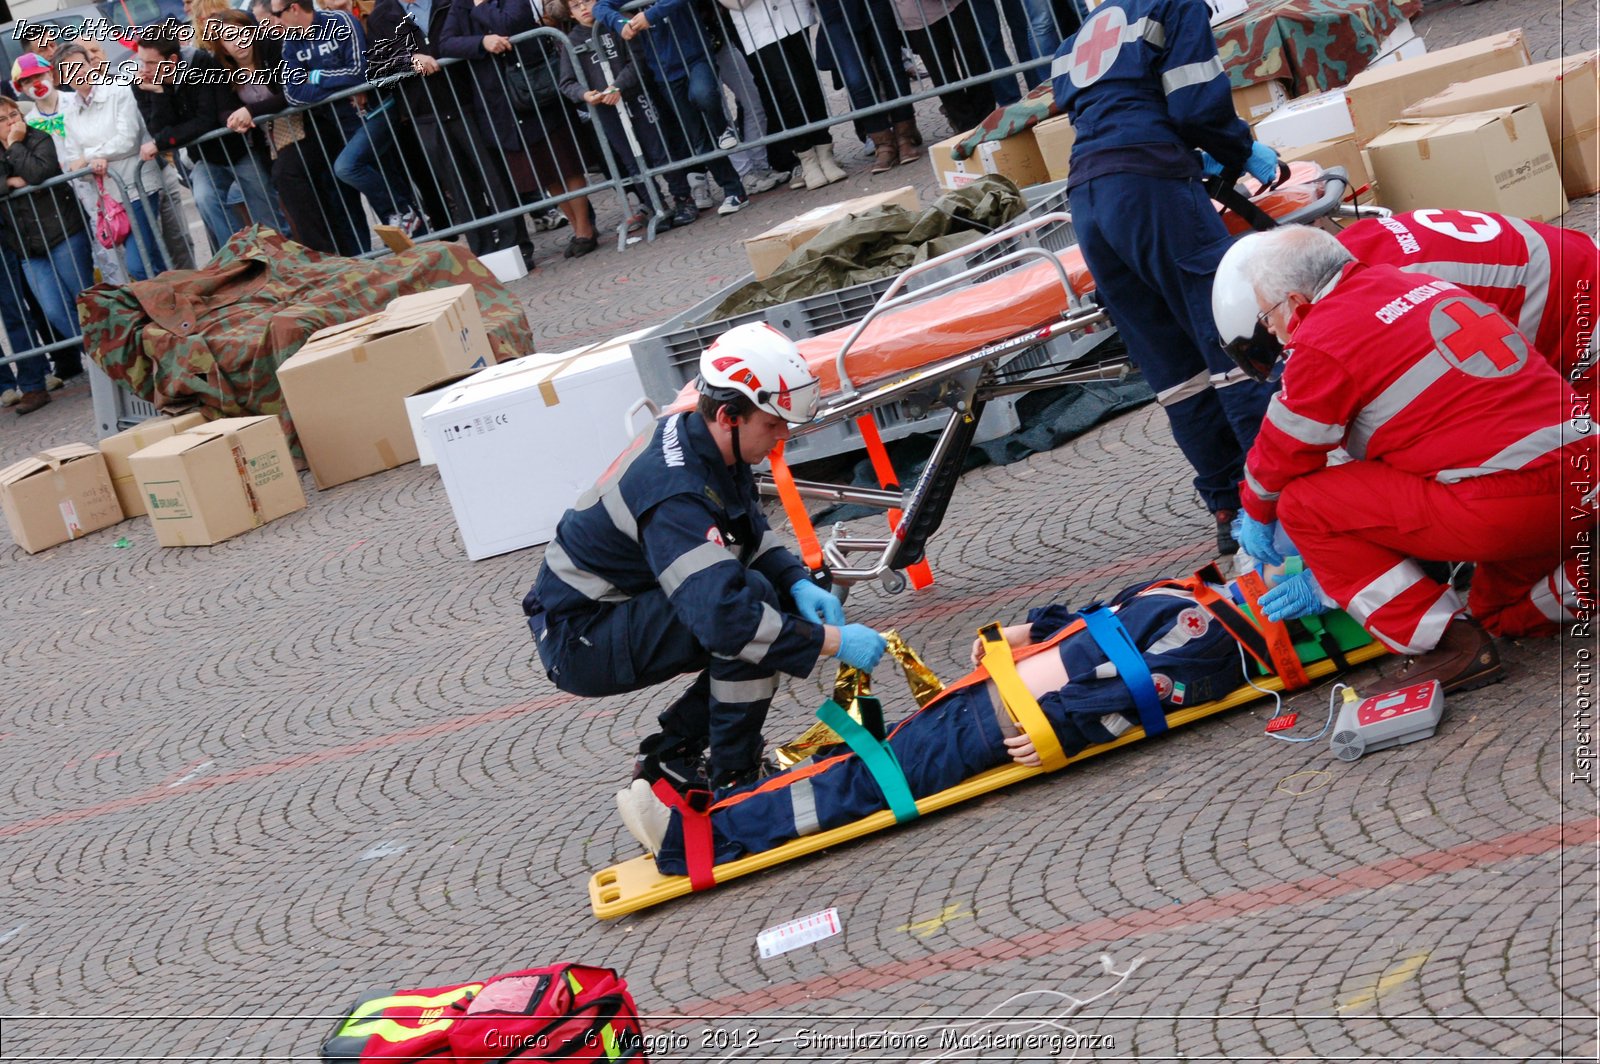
{"x": 579, "y": 246}
{"x": 685, "y": 215}
{"x": 1227, "y": 546}
{"x": 731, "y": 781}
{"x": 638, "y": 220}
{"x": 53, "y": 383}
{"x": 644, "y": 815}
{"x": 700, "y": 188}
{"x": 550, "y": 220}
{"x": 765, "y": 181}
{"x": 1464, "y": 660}
{"x": 408, "y": 222}
{"x": 684, "y": 769}
{"x": 729, "y": 139}
{"x": 734, "y": 204}
{"x": 30, "y": 402}
{"x": 10, "y": 397}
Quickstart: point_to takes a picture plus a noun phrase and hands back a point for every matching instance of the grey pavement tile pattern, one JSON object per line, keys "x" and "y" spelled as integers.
{"x": 244, "y": 783}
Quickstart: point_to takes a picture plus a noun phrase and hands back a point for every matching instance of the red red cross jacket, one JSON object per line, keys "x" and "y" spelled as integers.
{"x": 1412, "y": 372}
{"x": 1540, "y": 276}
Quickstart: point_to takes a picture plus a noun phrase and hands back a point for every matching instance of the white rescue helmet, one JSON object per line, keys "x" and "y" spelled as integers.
{"x": 1234, "y": 308}
{"x": 759, "y": 362}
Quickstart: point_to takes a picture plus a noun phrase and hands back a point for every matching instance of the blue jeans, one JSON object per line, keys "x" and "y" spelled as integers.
{"x": 56, "y": 280}
{"x": 212, "y": 183}
{"x": 367, "y": 161}
{"x": 145, "y": 261}
{"x": 28, "y": 374}
{"x": 866, "y": 44}
{"x": 988, "y": 13}
{"x": 687, "y": 131}
{"x": 1044, "y": 35}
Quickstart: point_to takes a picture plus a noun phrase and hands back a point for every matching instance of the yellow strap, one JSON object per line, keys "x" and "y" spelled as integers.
{"x": 1022, "y": 706}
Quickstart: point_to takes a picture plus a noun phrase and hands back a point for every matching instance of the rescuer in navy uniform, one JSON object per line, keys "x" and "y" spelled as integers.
{"x": 667, "y": 566}
{"x": 1144, "y": 88}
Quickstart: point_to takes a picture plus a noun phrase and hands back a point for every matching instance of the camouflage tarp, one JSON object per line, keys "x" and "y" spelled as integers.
{"x": 878, "y": 243}
{"x": 216, "y": 336}
{"x": 1003, "y": 122}
{"x": 1315, "y": 45}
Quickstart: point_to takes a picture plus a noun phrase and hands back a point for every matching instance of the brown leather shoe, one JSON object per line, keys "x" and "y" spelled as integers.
{"x": 906, "y": 140}
{"x": 884, "y": 154}
{"x": 1464, "y": 660}
{"x": 31, "y": 401}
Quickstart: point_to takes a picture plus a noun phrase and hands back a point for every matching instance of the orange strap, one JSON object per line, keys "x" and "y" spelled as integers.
{"x": 1285, "y": 662}
{"x": 805, "y": 533}
{"x": 921, "y": 575}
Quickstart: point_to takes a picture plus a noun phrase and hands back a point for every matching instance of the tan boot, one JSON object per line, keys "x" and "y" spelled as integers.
{"x": 811, "y": 169}
{"x": 830, "y": 167}
{"x": 1464, "y": 659}
{"x": 906, "y": 140}
{"x": 884, "y": 154}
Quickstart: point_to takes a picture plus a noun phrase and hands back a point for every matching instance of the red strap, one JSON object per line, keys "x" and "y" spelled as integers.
{"x": 1285, "y": 662}
{"x": 699, "y": 851}
{"x": 921, "y": 575}
{"x": 805, "y": 533}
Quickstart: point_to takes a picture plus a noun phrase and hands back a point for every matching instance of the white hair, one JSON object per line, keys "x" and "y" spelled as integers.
{"x": 1292, "y": 260}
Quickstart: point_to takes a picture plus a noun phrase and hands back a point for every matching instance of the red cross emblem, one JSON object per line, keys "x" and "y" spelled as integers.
{"x": 1097, "y": 46}
{"x": 1469, "y": 334}
{"x": 1469, "y": 227}
{"x": 1193, "y": 623}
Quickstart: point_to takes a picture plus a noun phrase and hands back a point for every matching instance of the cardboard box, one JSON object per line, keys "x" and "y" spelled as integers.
{"x": 1309, "y": 120}
{"x": 1016, "y": 157}
{"x": 1054, "y": 136}
{"x": 213, "y": 482}
{"x": 515, "y": 450}
{"x": 57, "y": 495}
{"x": 117, "y": 449}
{"x": 1255, "y": 102}
{"x": 1379, "y": 94}
{"x": 346, "y": 388}
{"x": 768, "y": 250}
{"x": 1565, "y": 91}
{"x": 1402, "y": 43}
{"x": 1488, "y": 161}
{"x": 1327, "y": 154}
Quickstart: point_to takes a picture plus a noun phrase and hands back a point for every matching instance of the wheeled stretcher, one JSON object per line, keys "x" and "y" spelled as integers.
{"x": 1330, "y": 644}
{"x": 1022, "y": 321}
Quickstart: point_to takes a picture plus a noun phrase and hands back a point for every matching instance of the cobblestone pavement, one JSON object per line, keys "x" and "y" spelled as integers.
{"x": 244, "y": 783}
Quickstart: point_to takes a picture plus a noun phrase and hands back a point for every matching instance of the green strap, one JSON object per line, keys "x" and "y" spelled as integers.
{"x": 877, "y": 756}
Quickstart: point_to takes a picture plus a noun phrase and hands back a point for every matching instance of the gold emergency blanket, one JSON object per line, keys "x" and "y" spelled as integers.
{"x": 851, "y": 685}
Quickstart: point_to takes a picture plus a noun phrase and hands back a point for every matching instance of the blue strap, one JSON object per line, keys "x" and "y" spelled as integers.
{"x": 878, "y": 758}
{"x": 1117, "y": 644}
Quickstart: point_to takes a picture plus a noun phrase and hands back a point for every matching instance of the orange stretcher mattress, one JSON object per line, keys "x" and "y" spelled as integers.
{"x": 954, "y": 322}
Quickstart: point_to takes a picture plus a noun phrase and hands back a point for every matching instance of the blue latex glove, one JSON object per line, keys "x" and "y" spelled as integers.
{"x": 314, "y": 76}
{"x": 1298, "y": 596}
{"x": 815, "y": 604}
{"x": 860, "y": 646}
{"x": 1256, "y": 539}
{"x": 1262, "y": 164}
{"x": 1208, "y": 165}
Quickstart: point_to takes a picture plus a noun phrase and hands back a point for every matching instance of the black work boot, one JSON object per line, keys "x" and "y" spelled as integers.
{"x": 1226, "y": 544}
{"x": 681, "y": 762}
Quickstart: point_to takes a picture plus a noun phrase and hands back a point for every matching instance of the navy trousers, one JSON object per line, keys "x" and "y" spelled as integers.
{"x": 1152, "y": 245}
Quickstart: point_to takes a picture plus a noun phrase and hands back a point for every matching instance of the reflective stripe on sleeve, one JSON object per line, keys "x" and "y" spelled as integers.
{"x": 803, "y": 803}
{"x": 692, "y": 561}
{"x": 585, "y": 583}
{"x": 1517, "y": 456}
{"x": 769, "y": 542}
{"x": 743, "y": 692}
{"x": 767, "y": 632}
{"x": 1387, "y": 587}
{"x": 1148, "y": 30}
{"x": 1187, "y": 390}
{"x": 1255, "y": 485}
{"x": 1536, "y": 285}
{"x": 1393, "y": 399}
{"x": 1299, "y": 427}
{"x": 1191, "y": 74}
{"x": 616, "y": 509}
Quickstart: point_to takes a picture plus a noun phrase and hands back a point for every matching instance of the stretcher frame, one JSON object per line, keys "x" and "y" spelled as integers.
{"x": 964, "y": 383}
{"x": 635, "y": 885}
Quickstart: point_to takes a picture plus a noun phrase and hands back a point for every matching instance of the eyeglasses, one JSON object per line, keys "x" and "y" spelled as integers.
{"x": 277, "y": 12}
{"x": 1265, "y": 314}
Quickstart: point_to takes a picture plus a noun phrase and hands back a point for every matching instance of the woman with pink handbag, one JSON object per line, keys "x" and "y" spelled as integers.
{"x": 105, "y": 133}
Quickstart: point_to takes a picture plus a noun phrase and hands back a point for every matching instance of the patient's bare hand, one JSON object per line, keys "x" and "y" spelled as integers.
{"x": 1020, "y": 747}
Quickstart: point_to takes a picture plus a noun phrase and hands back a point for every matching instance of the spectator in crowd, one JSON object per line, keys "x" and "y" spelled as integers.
{"x": 184, "y": 100}
{"x": 750, "y": 120}
{"x": 685, "y": 90}
{"x": 324, "y": 53}
{"x": 518, "y": 106}
{"x": 42, "y": 39}
{"x": 105, "y": 134}
{"x": 607, "y": 81}
{"x": 469, "y": 179}
{"x": 860, "y": 42}
{"x": 23, "y": 384}
{"x": 946, "y": 37}
{"x": 775, "y": 35}
{"x": 46, "y": 230}
{"x": 34, "y": 79}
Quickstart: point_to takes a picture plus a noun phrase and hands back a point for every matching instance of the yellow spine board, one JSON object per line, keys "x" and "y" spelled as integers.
{"x": 635, "y": 885}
